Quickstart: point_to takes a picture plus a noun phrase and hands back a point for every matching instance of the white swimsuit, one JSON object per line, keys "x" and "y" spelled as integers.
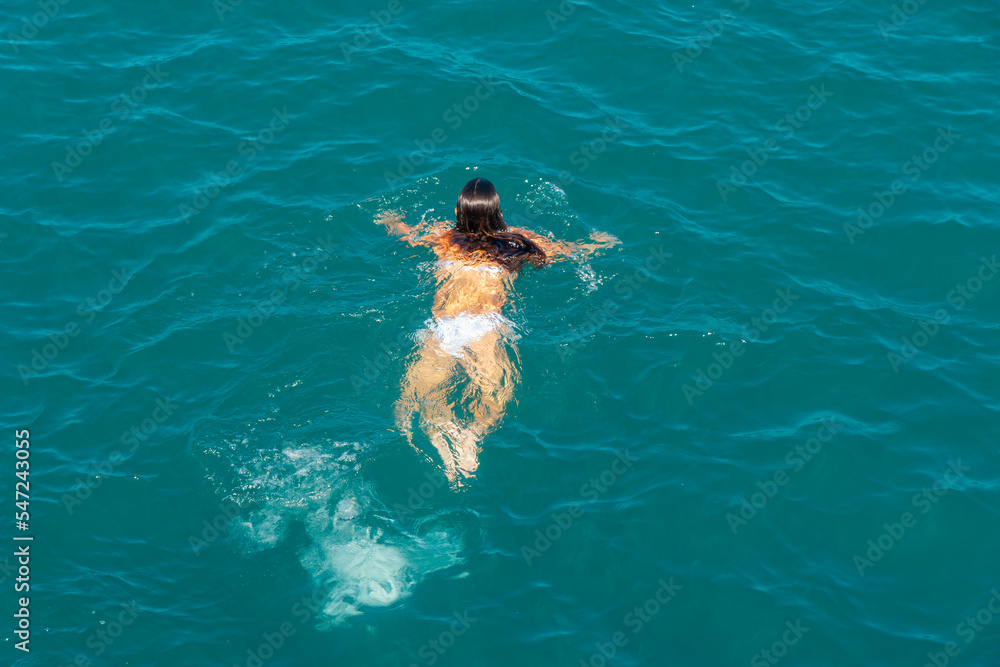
{"x": 462, "y": 266}
{"x": 455, "y": 332}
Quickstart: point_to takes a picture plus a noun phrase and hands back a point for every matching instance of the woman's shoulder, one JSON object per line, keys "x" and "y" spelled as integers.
{"x": 444, "y": 243}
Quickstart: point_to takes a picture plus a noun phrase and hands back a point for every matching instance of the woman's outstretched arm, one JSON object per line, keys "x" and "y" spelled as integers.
{"x": 565, "y": 249}
{"x": 425, "y": 233}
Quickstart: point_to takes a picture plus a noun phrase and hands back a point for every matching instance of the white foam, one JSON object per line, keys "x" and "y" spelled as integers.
{"x": 359, "y": 570}
{"x": 587, "y": 276}
{"x": 357, "y": 552}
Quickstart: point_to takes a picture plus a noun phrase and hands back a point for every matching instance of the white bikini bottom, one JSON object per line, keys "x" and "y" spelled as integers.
{"x": 455, "y": 332}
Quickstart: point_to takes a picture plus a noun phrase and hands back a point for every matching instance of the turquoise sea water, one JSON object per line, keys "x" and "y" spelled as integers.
{"x": 762, "y": 430}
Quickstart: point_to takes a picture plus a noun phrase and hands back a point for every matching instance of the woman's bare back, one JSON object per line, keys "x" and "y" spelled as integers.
{"x": 467, "y": 284}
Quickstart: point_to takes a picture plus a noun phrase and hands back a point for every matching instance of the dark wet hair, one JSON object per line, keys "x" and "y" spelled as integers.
{"x": 481, "y": 229}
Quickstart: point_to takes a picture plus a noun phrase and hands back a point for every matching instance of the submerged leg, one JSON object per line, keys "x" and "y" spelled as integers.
{"x": 493, "y": 376}
{"x": 424, "y": 389}
{"x": 425, "y": 385}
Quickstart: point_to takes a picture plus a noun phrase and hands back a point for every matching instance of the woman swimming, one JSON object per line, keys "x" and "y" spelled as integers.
{"x": 478, "y": 258}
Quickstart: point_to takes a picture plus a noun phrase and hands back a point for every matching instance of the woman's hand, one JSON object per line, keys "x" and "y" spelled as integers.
{"x": 392, "y": 221}
{"x": 604, "y": 238}
{"x": 424, "y": 233}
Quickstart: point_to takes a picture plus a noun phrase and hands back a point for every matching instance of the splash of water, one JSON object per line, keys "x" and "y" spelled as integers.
{"x": 356, "y": 552}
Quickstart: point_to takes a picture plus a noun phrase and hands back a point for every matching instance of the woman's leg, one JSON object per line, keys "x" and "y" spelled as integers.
{"x": 424, "y": 389}
{"x": 493, "y": 376}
